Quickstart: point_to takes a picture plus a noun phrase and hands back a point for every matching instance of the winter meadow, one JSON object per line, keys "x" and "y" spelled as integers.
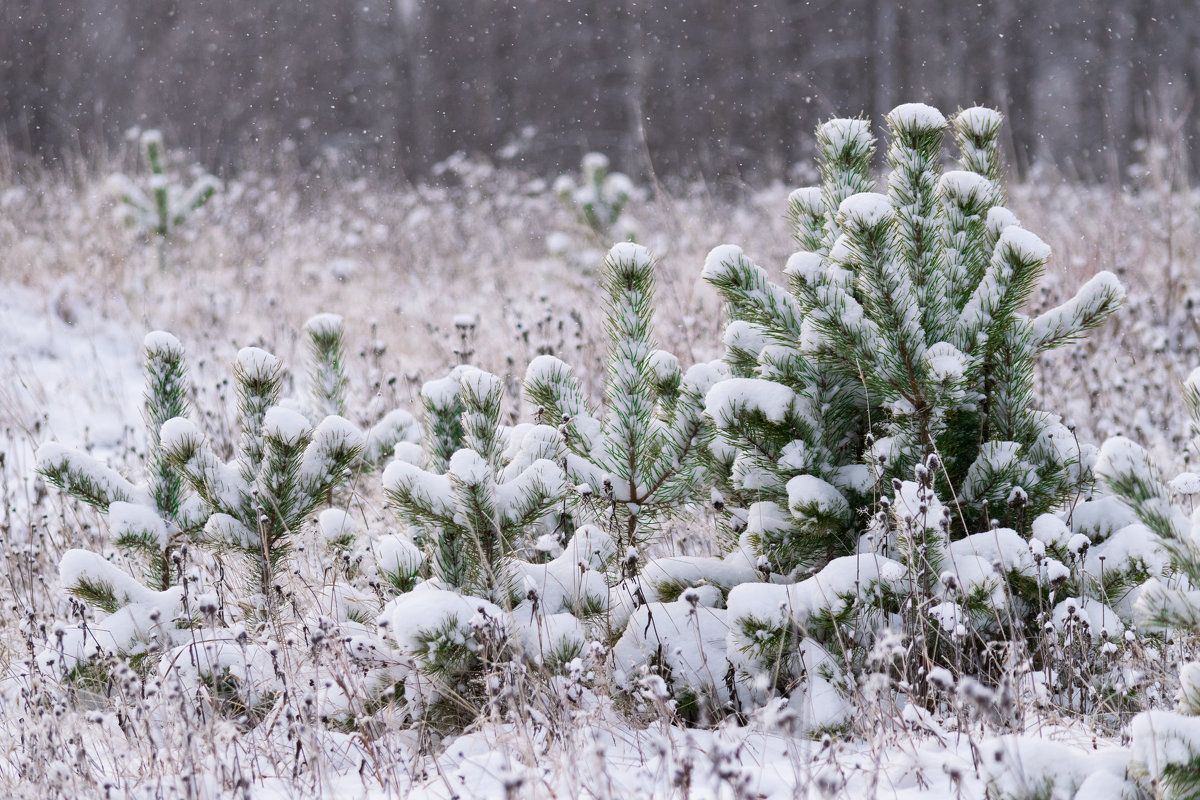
{"x": 516, "y": 476}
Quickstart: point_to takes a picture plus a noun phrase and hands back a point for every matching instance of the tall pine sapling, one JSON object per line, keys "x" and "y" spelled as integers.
{"x": 901, "y": 338}
{"x": 643, "y": 456}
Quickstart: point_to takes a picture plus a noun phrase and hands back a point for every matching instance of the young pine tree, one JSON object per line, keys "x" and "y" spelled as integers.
{"x": 900, "y": 337}
{"x": 147, "y": 521}
{"x": 479, "y": 509}
{"x": 643, "y": 456}
{"x": 163, "y": 205}
{"x": 285, "y": 469}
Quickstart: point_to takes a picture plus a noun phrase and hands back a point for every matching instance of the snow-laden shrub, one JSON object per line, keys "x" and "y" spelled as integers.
{"x": 641, "y": 460}
{"x": 162, "y": 205}
{"x": 899, "y": 337}
{"x": 460, "y": 644}
{"x": 197, "y": 618}
{"x": 284, "y": 469}
{"x": 494, "y": 492}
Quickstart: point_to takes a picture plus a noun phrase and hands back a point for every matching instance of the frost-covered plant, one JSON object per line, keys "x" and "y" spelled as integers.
{"x": 150, "y": 520}
{"x": 284, "y": 470}
{"x": 900, "y": 337}
{"x": 598, "y": 197}
{"x": 643, "y": 457}
{"x": 163, "y": 204}
{"x": 493, "y": 491}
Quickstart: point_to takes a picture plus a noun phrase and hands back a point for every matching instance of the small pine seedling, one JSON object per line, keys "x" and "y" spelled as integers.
{"x": 285, "y": 469}
{"x": 162, "y": 205}
{"x": 599, "y": 197}
{"x": 476, "y": 506}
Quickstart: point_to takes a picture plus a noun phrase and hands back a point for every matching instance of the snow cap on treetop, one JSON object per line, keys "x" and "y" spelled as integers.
{"x": 809, "y": 199}
{"x": 257, "y": 363}
{"x": 162, "y": 342}
{"x": 324, "y": 324}
{"x": 630, "y": 253}
{"x": 915, "y": 116}
{"x": 978, "y": 120}
{"x": 718, "y": 259}
{"x": 841, "y": 133}
{"x": 175, "y": 431}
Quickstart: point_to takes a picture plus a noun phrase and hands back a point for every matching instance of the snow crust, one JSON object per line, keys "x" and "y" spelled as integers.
{"x": 803, "y": 265}
{"x": 808, "y": 495}
{"x": 731, "y": 397}
{"x": 136, "y": 519}
{"x": 285, "y": 424}
{"x": 423, "y": 610}
{"x": 397, "y": 555}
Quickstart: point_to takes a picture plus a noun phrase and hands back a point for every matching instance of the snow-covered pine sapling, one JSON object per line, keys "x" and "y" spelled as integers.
{"x": 767, "y": 437}
{"x": 327, "y": 391}
{"x": 163, "y": 205}
{"x": 643, "y": 456}
{"x": 901, "y": 337}
{"x": 285, "y": 469}
{"x": 598, "y": 197}
{"x": 326, "y": 373}
{"x": 148, "y": 521}
{"x": 496, "y": 488}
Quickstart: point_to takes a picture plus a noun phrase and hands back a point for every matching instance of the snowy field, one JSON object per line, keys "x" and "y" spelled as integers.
{"x": 323, "y": 696}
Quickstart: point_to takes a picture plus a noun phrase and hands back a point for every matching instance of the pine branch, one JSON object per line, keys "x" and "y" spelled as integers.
{"x": 327, "y": 375}
{"x": 258, "y": 377}
{"x": 82, "y": 476}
